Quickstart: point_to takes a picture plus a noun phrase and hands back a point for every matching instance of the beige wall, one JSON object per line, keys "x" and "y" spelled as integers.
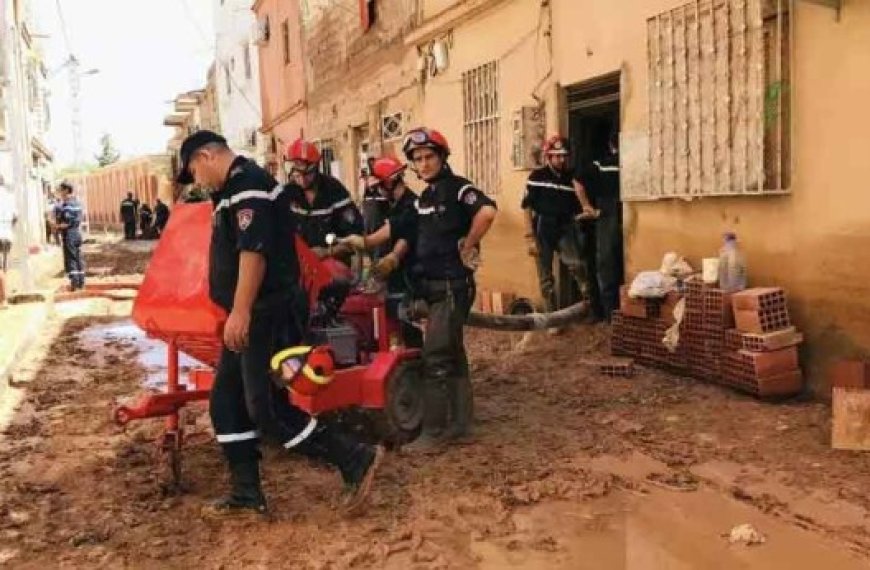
{"x": 507, "y": 33}
{"x": 811, "y": 242}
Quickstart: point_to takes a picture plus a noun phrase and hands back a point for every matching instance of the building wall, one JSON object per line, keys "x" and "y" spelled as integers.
{"x": 812, "y": 242}
{"x": 282, "y": 85}
{"x": 509, "y": 33}
{"x": 239, "y": 94}
{"x": 356, "y": 76}
{"x": 148, "y": 178}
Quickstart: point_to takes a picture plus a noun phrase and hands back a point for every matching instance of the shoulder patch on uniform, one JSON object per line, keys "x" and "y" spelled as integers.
{"x": 349, "y": 215}
{"x": 470, "y": 197}
{"x": 245, "y": 217}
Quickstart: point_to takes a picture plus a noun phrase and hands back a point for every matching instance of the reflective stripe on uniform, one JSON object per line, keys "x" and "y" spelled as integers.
{"x": 322, "y": 211}
{"x": 550, "y": 185}
{"x": 423, "y": 211}
{"x": 303, "y": 435}
{"x": 235, "y": 437}
{"x": 248, "y": 195}
{"x": 606, "y": 168}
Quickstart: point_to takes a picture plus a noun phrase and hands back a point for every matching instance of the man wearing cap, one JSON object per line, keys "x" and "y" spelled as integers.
{"x": 254, "y": 276}
{"x": 551, "y": 206}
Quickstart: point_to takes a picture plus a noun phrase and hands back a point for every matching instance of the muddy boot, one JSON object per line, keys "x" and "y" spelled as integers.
{"x": 246, "y": 496}
{"x": 461, "y": 402}
{"x": 357, "y": 462}
{"x": 431, "y": 439}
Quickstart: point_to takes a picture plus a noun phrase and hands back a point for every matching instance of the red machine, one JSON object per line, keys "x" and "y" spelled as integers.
{"x": 374, "y": 370}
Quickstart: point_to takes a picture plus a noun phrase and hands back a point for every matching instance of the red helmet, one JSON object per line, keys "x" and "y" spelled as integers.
{"x": 556, "y": 144}
{"x": 303, "y": 151}
{"x": 388, "y": 168}
{"x": 425, "y": 138}
{"x": 305, "y": 369}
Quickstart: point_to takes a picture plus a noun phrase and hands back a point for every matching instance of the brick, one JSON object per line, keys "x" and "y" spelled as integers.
{"x": 759, "y": 299}
{"x": 784, "y": 384}
{"x": 763, "y": 342}
{"x": 770, "y": 363}
{"x": 718, "y": 308}
{"x": 765, "y": 321}
{"x": 849, "y": 374}
{"x": 485, "y": 301}
{"x": 500, "y": 302}
{"x": 617, "y": 368}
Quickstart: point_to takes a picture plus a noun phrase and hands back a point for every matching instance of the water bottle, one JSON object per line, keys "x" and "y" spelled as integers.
{"x": 732, "y": 265}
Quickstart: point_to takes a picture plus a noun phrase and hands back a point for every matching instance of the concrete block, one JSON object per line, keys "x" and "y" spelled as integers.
{"x": 850, "y": 374}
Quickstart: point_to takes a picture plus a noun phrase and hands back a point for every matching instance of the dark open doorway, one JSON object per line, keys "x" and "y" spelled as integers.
{"x": 593, "y": 116}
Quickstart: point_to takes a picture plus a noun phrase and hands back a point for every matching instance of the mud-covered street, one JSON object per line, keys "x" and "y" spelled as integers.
{"x": 568, "y": 469}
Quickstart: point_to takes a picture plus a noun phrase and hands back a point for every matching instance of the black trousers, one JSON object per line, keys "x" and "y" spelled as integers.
{"x": 73, "y": 263}
{"x": 130, "y": 229}
{"x": 448, "y": 391}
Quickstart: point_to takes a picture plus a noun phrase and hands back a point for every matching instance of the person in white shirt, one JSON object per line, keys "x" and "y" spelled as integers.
{"x": 8, "y": 218}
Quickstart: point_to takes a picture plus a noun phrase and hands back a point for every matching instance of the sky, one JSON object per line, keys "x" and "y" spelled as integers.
{"x": 146, "y": 51}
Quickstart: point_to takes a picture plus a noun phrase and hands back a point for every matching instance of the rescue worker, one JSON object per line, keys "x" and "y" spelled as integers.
{"x": 161, "y": 216}
{"x": 551, "y": 205}
{"x": 129, "y": 216}
{"x": 393, "y": 266}
{"x": 254, "y": 276}
{"x": 598, "y": 189}
{"x": 375, "y": 205}
{"x": 320, "y": 204}
{"x": 446, "y": 225}
{"x": 69, "y": 222}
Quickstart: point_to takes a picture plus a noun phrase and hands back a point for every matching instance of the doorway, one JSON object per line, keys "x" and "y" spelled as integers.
{"x": 593, "y": 116}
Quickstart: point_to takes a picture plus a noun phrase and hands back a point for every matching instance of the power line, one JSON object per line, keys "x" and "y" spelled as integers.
{"x": 63, "y": 27}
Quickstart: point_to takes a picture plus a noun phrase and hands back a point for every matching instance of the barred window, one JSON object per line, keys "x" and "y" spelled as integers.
{"x": 719, "y": 100}
{"x": 480, "y": 98}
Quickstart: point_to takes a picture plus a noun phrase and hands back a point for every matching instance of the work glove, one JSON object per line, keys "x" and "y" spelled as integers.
{"x": 531, "y": 245}
{"x": 355, "y": 241}
{"x": 385, "y": 265}
{"x": 586, "y": 215}
{"x": 320, "y": 252}
{"x": 470, "y": 256}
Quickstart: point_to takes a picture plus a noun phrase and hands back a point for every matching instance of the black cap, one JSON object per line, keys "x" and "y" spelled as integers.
{"x": 190, "y": 145}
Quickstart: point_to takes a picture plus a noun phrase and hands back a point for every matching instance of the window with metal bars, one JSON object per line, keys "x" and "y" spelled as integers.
{"x": 719, "y": 100}
{"x": 480, "y": 104}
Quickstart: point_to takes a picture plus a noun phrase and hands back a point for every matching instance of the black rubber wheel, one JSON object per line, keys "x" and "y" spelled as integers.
{"x": 403, "y": 409}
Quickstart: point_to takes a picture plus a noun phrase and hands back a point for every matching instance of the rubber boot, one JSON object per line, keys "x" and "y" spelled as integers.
{"x": 357, "y": 462}
{"x": 435, "y": 409}
{"x": 461, "y": 403}
{"x": 246, "y": 496}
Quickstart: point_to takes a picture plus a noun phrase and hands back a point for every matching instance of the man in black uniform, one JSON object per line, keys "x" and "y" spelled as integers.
{"x": 161, "y": 216}
{"x": 598, "y": 185}
{"x": 129, "y": 216}
{"x": 395, "y": 258}
{"x": 320, "y": 204}
{"x": 551, "y": 206}
{"x": 68, "y": 222}
{"x": 446, "y": 226}
{"x": 254, "y": 276}
{"x": 146, "y": 221}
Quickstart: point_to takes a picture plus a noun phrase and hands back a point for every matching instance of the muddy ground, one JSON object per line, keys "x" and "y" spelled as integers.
{"x": 567, "y": 469}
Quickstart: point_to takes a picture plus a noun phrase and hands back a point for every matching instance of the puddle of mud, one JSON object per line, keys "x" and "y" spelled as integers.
{"x": 151, "y": 353}
{"x": 661, "y": 530}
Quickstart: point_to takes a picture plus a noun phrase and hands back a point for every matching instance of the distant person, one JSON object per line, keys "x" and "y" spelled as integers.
{"x": 69, "y": 222}
{"x": 146, "y": 220}
{"x": 161, "y": 216}
{"x": 129, "y": 215}
{"x": 8, "y": 219}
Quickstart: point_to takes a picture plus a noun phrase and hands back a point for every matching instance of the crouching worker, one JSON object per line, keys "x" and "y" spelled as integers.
{"x": 254, "y": 276}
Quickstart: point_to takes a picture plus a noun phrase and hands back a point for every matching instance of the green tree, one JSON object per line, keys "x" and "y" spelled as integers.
{"x": 108, "y": 153}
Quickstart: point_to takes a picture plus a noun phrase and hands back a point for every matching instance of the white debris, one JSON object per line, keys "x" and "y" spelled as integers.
{"x": 747, "y": 534}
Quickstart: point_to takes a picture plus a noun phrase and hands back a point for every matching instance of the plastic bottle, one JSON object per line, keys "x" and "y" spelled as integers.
{"x": 732, "y": 265}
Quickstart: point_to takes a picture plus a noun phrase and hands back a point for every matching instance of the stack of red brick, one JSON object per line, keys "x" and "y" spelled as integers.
{"x": 743, "y": 340}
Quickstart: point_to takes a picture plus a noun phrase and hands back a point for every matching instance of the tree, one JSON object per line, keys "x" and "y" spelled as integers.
{"x": 109, "y": 153}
